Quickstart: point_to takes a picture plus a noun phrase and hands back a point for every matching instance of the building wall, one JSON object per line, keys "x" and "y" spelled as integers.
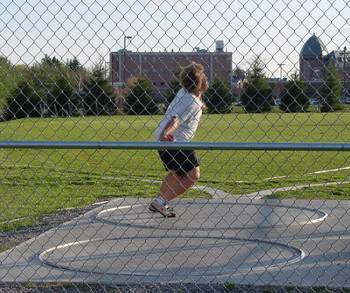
{"x": 313, "y": 72}
{"x": 160, "y": 67}
{"x": 312, "y": 69}
{"x": 344, "y": 74}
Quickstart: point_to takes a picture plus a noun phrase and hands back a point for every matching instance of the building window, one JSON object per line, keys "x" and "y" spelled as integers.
{"x": 317, "y": 74}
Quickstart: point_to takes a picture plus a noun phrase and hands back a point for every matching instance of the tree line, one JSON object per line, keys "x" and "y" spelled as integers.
{"x": 55, "y": 88}
{"x": 256, "y": 95}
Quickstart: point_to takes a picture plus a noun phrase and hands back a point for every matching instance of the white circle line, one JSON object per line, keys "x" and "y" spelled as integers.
{"x": 258, "y": 268}
{"x": 322, "y": 218}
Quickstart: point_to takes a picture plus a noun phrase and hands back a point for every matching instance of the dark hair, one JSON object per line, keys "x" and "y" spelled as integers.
{"x": 191, "y": 78}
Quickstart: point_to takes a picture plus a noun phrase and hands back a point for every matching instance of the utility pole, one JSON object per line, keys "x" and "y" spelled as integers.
{"x": 280, "y": 65}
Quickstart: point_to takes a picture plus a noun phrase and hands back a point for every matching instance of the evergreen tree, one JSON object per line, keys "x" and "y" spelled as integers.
{"x": 61, "y": 99}
{"x": 256, "y": 96}
{"x": 330, "y": 91}
{"x": 218, "y": 97}
{"x": 99, "y": 96}
{"x": 56, "y": 84}
{"x": 238, "y": 73}
{"x": 139, "y": 100}
{"x": 50, "y": 61}
{"x": 294, "y": 98}
{"x": 44, "y": 74}
{"x": 24, "y": 102}
{"x": 74, "y": 64}
{"x": 9, "y": 77}
{"x": 174, "y": 87}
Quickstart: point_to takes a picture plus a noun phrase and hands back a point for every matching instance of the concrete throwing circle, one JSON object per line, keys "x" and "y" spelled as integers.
{"x": 167, "y": 256}
{"x": 212, "y": 216}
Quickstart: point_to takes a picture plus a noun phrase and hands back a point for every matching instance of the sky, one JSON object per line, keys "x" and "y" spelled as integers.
{"x": 91, "y": 29}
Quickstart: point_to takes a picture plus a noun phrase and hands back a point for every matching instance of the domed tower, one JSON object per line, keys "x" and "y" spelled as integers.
{"x": 311, "y": 59}
{"x": 313, "y": 48}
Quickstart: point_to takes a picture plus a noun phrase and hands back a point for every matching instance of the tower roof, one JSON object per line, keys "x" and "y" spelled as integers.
{"x": 313, "y": 48}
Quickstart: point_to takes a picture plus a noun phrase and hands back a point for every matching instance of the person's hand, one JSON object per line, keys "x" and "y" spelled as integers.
{"x": 172, "y": 125}
{"x": 167, "y": 137}
{"x": 175, "y": 121}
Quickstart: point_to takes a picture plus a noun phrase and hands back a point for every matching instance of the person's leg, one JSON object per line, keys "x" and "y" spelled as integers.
{"x": 175, "y": 185}
{"x": 167, "y": 187}
{"x": 172, "y": 186}
{"x": 176, "y": 182}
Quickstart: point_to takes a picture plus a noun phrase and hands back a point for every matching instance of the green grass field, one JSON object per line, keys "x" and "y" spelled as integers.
{"x": 38, "y": 182}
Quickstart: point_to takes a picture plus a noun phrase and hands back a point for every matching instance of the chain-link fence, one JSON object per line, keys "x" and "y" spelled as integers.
{"x": 244, "y": 103}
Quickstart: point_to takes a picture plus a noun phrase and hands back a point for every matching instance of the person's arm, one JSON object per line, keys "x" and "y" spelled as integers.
{"x": 172, "y": 125}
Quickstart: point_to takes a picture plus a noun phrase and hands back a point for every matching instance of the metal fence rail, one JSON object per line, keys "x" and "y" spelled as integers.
{"x": 148, "y": 145}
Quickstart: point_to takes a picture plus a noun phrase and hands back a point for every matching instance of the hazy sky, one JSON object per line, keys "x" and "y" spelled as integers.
{"x": 88, "y": 29}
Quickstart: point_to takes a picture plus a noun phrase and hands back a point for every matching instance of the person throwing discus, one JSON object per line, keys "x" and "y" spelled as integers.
{"x": 179, "y": 124}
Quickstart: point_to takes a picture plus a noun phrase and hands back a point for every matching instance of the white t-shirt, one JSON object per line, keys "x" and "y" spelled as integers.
{"x": 188, "y": 109}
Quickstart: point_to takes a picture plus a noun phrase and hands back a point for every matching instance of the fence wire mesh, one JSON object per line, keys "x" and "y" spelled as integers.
{"x": 143, "y": 79}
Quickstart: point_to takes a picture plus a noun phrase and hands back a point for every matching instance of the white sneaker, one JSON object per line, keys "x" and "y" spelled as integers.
{"x": 165, "y": 210}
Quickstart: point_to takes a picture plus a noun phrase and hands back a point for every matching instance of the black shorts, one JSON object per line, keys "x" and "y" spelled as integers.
{"x": 181, "y": 161}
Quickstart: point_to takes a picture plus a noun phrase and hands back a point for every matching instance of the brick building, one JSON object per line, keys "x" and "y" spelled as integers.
{"x": 314, "y": 59}
{"x": 160, "y": 67}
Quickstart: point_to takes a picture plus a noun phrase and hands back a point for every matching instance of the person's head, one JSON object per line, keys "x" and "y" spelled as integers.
{"x": 193, "y": 79}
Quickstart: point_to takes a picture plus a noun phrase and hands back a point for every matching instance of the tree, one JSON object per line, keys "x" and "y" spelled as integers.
{"x": 294, "y": 98}
{"x": 174, "y": 87}
{"x": 44, "y": 74}
{"x": 57, "y": 84}
{"x": 256, "y": 96}
{"x": 24, "y": 102}
{"x": 61, "y": 99}
{"x": 330, "y": 91}
{"x": 51, "y": 61}
{"x": 99, "y": 98}
{"x": 9, "y": 77}
{"x": 218, "y": 97}
{"x": 238, "y": 73}
{"x": 78, "y": 73}
{"x": 139, "y": 100}
{"x": 74, "y": 64}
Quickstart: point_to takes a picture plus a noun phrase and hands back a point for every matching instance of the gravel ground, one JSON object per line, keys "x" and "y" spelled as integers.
{"x": 11, "y": 239}
{"x": 47, "y": 222}
{"x": 157, "y": 288}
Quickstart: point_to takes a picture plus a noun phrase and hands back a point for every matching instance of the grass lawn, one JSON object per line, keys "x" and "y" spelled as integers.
{"x": 37, "y": 182}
